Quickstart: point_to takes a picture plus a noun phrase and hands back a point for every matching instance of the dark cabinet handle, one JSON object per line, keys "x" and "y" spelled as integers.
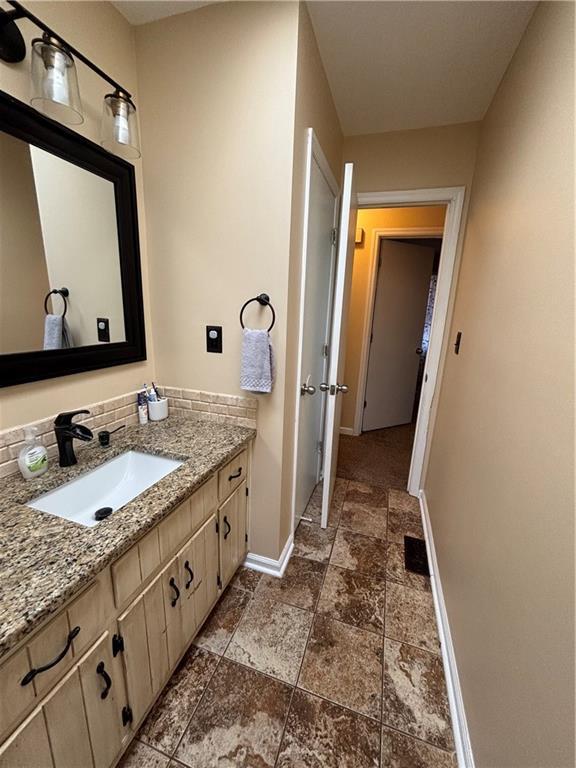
{"x": 233, "y": 477}
{"x": 191, "y": 574}
{"x": 107, "y": 679}
{"x": 29, "y": 676}
{"x": 229, "y": 527}
{"x": 176, "y": 592}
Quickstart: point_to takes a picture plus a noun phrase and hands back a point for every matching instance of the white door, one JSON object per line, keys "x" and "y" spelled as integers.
{"x": 402, "y": 287}
{"x": 317, "y": 278}
{"x": 334, "y": 384}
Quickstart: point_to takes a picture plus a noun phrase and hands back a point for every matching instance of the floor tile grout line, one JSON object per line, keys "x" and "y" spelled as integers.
{"x": 173, "y": 755}
{"x": 295, "y": 686}
{"x": 450, "y": 752}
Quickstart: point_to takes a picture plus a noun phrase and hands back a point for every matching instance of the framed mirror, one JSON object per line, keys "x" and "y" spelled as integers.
{"x": 70, "y": 275}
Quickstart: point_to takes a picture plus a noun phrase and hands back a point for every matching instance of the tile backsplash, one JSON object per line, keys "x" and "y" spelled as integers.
{"x": 112, "y": 413}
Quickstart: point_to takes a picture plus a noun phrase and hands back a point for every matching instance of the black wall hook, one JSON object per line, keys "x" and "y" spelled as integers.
{"x": 264, "y": 300}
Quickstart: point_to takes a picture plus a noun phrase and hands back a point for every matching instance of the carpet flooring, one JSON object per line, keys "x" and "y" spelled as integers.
{"x": 381, "y": 457}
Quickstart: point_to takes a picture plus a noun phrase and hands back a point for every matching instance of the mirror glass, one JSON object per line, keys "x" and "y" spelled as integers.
{"x": 58, "y": 229}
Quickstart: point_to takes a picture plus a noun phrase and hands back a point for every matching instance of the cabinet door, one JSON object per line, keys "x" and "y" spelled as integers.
{"x": 172, "y": 588}
{"x": 156, "y": 633}
{"x": 14, "y": 698}
{"x": 206, "y": 543}
{"x": 232, "y": 519}
{"x": 67, "y": 725}
{"x": 190, "y": 569}
{"x": 135, "y": 658}
{"x": 29, "y": 746}
{"x": 104, "y": 697}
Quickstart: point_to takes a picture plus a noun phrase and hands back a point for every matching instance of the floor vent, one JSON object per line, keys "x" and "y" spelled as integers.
{"x": 415, "y": 557}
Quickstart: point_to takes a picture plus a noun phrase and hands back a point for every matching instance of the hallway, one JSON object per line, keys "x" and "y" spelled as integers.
{"x": 336, "y": 665}
{"x": 381, "y": 457}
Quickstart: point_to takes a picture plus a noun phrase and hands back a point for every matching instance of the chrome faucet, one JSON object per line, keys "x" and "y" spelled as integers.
{"x": 66, "y": 431}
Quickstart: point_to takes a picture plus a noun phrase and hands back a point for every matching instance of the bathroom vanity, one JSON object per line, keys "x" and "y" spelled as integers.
{"x": 94, "y": 620}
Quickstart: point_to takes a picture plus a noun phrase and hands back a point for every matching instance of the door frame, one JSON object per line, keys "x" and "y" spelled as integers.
{"x": 453, "y": 198}
{"x": 313, "y": 152}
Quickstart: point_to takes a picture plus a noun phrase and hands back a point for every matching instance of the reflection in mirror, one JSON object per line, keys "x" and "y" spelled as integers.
{"x": 58, "y": 228}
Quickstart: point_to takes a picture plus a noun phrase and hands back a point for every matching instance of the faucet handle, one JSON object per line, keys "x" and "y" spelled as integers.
{"x": 65, "y": 419}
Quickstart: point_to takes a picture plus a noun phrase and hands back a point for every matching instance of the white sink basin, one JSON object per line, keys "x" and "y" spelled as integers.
{"x": 112, "y": 484}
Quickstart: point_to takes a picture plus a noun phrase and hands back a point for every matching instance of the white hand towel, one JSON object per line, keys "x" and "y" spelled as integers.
{"x": 257, "y": 370}
{"x": 53, "y": 332}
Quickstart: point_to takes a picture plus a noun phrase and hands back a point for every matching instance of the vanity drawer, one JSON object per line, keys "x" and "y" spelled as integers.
{"x": 91, "y": 611}
{"x": 175, "y": 528}
{"x": 134, "y": 567}
{"x": 230, "y": 477}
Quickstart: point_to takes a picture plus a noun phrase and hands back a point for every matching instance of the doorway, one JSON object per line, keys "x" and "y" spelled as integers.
{"x": 403, "y": 309}
{"x": 405, "y": 291}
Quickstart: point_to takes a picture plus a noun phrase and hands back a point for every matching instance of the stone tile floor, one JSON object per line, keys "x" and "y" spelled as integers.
{"x": 336, "y": 665}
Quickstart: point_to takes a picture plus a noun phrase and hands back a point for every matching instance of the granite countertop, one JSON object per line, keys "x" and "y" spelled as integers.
{"x": 44, "y": 559}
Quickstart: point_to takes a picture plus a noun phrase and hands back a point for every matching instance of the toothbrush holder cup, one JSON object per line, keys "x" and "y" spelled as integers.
{"x": 158, "y": 410}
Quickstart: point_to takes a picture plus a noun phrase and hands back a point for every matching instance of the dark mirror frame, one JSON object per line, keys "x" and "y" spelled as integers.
{"x": 24, "y": 122}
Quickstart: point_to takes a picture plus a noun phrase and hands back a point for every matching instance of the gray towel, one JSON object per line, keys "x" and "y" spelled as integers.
{"x": 257, "y": 368}
{"x": 57, "y": 334}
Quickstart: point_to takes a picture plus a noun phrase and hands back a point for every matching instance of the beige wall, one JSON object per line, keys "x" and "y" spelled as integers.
{"x": 430, "y": 157}
{"x": 370, "y": 219}
{"x": 23, "y": 275}
{"x": 314, "y": 109}
{"x": 103, "y": 34}
{"x": 501, "y": 472}
{"x": 217, "y": 113}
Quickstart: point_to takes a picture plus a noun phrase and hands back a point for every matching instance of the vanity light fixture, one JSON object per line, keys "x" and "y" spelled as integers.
{"x": 55, "y": 84}
{"x": 119, "y": 126}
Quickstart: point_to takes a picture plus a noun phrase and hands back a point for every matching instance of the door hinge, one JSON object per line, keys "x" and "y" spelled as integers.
{"x": 117, "y": 645}
{"x": 334, "y": 236}
{"x": 247, "y": 493}
{"x": 246, "y": 538}
{"x": 217, "y": 527}
{"x": 218, "y": 581}
{"x": 325, "y": 350}
{"x": 320, "y": 446}
{"x": 127, "y": 715}
{"x": 365, "y": 403}
{"x": 371, "y": 338}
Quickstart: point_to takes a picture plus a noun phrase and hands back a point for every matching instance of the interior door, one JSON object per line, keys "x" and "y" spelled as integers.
{"x": 334, "y": 385}
{"x": 402, "y": 287}
{"x": 318, "y": 272}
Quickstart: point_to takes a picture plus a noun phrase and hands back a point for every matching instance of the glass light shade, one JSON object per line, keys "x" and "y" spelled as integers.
{"x": 54, "y": 82}
{"x": 120, "y": 126}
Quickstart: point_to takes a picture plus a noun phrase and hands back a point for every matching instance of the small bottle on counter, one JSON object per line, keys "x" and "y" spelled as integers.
{"x": 33, "y": 458}
{"x": 143, "y": 406}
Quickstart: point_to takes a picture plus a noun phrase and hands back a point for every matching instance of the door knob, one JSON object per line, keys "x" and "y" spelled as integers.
{"x": 307, "y": 389}
{"x": 341, "y": 388}
{"x": 324, "y": 387}
{"x": 419, "y": 351}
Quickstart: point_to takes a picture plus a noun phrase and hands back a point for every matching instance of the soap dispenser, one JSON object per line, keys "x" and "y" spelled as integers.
{"x": 33, "y": 458}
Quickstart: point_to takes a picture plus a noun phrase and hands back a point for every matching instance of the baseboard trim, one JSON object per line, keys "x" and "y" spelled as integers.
{"x": 347, "y": 431}
{"x": 267, "y": 564}
{"x": 459, "y": 723}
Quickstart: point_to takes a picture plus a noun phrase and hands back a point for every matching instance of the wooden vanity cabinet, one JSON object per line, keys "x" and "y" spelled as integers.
{"x": 136, "y": 620}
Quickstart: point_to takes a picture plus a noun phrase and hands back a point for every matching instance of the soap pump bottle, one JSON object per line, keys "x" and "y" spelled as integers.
{"x": 33, "y": 458}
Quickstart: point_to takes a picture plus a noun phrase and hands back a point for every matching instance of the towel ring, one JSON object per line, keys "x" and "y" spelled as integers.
{"x": 64, "y": 293}
{"x": 264, "y": 300}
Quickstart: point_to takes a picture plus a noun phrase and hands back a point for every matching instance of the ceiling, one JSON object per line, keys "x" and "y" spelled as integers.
{"x": 400, "y": 65}
{"x": 144, "y": 11}
{"x": 397, "y": 65}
